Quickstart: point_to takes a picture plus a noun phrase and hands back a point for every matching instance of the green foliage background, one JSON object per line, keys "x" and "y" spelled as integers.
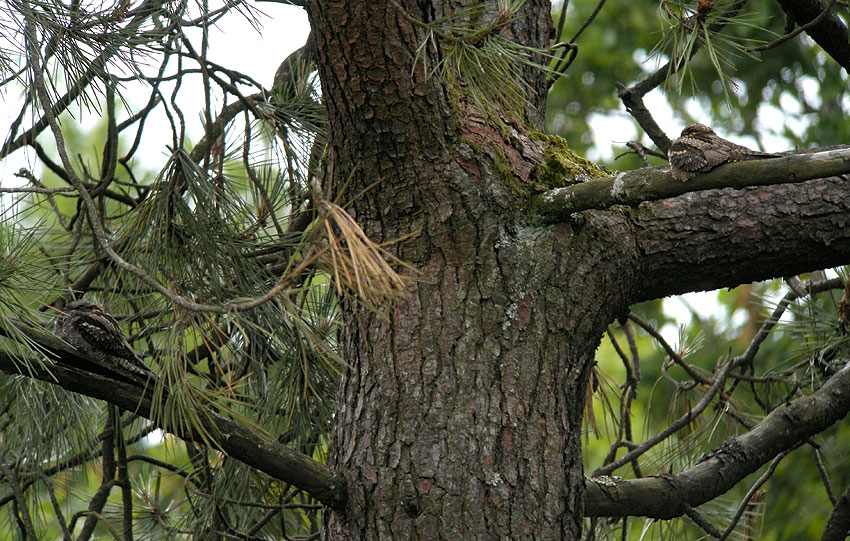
{"x": 805, "y": 90}
{"x": 795, "y": 92}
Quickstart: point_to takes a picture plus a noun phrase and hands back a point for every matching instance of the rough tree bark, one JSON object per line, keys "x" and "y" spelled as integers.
{"x": 460, "y": 412}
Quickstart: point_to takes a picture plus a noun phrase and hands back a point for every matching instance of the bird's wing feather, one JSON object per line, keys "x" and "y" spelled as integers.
{"x": 714, "y": 157}
{"x": 104, "y": 332}
{"x": 689, "y": 157}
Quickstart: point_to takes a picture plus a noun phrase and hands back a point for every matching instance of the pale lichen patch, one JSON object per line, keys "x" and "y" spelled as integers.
{"x": 619, "y": 183}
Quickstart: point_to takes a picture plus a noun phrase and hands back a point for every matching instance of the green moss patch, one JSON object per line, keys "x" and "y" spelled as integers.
{"x": 561, "y": 166}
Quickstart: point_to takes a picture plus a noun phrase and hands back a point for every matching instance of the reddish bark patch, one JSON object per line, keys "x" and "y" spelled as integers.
{"x": 370, "y": 473}
{"x": 523, "y": 312}
{"x": 507, "y": 439}
{"x": 470, "y": 167}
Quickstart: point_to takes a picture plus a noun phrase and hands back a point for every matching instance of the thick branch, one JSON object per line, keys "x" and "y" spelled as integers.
{"x": 839, "y": 521}
{"x": 234, "y": 439}
{"x": 653, "y": 183}
{"x": 722, "y": 238}
{"x": 669, "y": 496}
{"x": 830, "y": 33}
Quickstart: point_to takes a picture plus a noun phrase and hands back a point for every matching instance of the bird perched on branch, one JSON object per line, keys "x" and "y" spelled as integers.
{"x": 699, "y": 150}
{"x": 99, "y": 339}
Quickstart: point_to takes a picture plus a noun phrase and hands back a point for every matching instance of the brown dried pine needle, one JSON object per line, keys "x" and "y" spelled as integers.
{"x": 357, "y": 262}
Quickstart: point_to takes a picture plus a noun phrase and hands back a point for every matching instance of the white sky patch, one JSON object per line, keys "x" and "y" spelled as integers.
{"x": 157, "y": 437}
{"x": 704, "y": 302}
{"x": 236, "y": 44}
{"x": 811, "y": 90}
{"x": 738, "y": 318}
{"x": 789, "y": 103}
{"x": 656, "y": 102}
{"x": 610, "y": 134}
{"x": 233, "y": 43}
{"x": 770, "y": 115}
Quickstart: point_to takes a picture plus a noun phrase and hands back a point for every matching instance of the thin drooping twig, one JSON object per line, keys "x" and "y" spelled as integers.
{"x": 742, "y": 507}
{"x": 782, "y": 39}
{"x": 23, "y": 514}
{"x": 827, "y": 484}
{"x": 562, "y": 19}
{"x": 703, "y": 403}
{"x": 60, "y": 516}
{"x": 570, "y": 47}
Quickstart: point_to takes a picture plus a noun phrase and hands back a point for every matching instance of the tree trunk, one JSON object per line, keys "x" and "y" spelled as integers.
{"x": 460, "y": 413}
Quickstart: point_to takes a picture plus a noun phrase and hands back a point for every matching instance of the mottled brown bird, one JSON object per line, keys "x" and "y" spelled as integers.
{"x": 699, "y": 150}
{"x": 99, "y": 338}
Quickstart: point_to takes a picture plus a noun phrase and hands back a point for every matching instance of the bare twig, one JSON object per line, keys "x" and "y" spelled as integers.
{"x": 673, "y": 427}
{"x": 782, "y": 39}
{"x": 60, "y": 517}
{"x": 702, "y": 522}
{"x": 23, "y": 514}
{"x": 839, "y": 520}
{"x": 827, "y": 484}
{"x": 742, "y": 507}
